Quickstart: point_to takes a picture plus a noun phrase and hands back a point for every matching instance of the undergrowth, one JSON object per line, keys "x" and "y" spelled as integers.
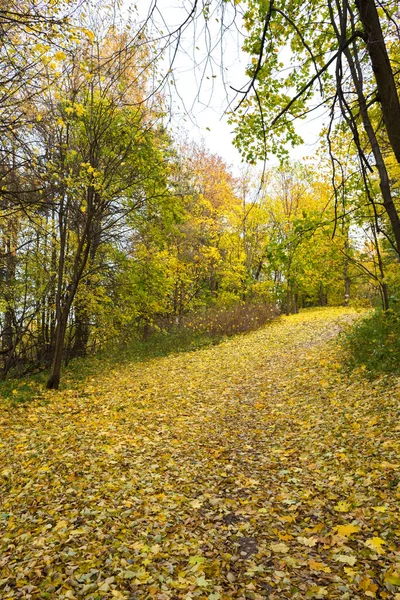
{"x": 372, "y": 343}
{"x": 195, "y": 332}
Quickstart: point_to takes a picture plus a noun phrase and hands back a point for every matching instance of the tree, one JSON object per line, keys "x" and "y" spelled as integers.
{"x": 102, "y": 150}
{"x": 340, "y": 56}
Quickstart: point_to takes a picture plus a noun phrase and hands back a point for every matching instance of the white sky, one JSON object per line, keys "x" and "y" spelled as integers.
{"x": 200, "y": 97}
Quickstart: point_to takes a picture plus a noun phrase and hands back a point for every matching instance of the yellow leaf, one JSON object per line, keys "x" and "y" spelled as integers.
{"x": 342, "y": 506}
{"x": 368, "y": 585}
{"x": 310, "y": 542}
{"x": 393, "y": 578}
{"x": 380, "y": 509}
{"x": 60, "y": 55}
{"x": 317, "y": 566}
{"x": 283, "y": 548}
{"x": 79, "y": 109}
{"x": 375, "y": 543}
{"x": 350, "y": 572}
{"x": 89, "y": 34}
{"x": 343, "y": 558}
{"x": 347, "y": 530}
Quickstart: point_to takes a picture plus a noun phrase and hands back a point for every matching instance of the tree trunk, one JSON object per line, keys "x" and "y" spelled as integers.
{"x": 82, "y": 330}
{"x": 63, "y": 307}
{"x": 295, "y": 304}
{"x": 347, "y": 280}
{"x": 385, "y": 296}
{"x": 387, "y": 92}
{"x": 82, "y": 316}
{"x": 384, "y": 181}
{"x": 347, "y": 284}
{"x": 54, "y": 380}
{"x": 322, "y": 295}
{"x": 10, "y": 265}
{"x": 288, "y": 302}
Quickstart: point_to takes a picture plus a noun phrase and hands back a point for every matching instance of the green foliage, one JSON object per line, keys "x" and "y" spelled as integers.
{"x": 373, "y": 343}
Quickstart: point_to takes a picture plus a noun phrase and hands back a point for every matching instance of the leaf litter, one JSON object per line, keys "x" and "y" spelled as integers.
{"x": 253, "y": 469}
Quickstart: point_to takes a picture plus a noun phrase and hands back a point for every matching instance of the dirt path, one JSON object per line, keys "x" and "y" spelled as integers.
{"x": 253, "y": 469}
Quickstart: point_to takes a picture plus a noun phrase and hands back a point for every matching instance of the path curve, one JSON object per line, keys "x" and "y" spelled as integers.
{"x": 253, "y": 469}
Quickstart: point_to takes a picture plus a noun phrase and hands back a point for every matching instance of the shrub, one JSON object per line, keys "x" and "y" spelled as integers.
{"x": 373, "y": 343}
{"x": 218, "y": 322}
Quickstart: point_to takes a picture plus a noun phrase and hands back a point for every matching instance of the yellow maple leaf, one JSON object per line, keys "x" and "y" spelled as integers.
{"x": 368, "y": 585}
{"x": 310, "y": 542}
{"x": 318, "y": 566}
{"x": 282, "y": 548}
{"x": 342, "y": 506}
{"x": 350, "y": 572}
{"x": 347, "y": 530}
{"x": 375, "y": 543}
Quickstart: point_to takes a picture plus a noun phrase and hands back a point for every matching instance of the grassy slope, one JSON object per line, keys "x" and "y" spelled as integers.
{"x": 223, "y": 473}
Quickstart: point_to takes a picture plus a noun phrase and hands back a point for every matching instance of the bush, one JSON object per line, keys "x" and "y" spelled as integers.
{"x": 239, "y": 318}
{"x": 373, "y": 343}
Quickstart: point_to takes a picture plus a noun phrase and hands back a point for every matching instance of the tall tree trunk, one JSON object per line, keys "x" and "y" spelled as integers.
{"x": 386, "y": 85}
{"x": 366, "y": 15}
{"x": 385, "y": 296}
{"x": 63, "y": 305}
{"x": 384, "y": 181}
{"x": 347, "y": 286}
{"x": 54, "y": 380}
{"x": 346, "y": 277}
{"x": 82, "y": 316}
{"x": 82, "y": 331}
{"x": 10, "y": 265}
{"x": 295, "y": 303}
{"x": 322, "y": 300}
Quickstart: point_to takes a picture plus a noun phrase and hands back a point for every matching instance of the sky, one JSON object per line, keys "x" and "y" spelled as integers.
{"x": 199, "y": 89}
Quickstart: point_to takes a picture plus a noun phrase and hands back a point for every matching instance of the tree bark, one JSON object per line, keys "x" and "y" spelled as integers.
{"x": 384, "y": 181}
{"x": 82, "y": 331}
{"x": 63, "y": 306}
{"x": 386, "y": 85}
{"x": 54, "y": 380}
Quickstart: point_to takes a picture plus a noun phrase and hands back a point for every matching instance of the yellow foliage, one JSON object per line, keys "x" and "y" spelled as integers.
{"x": 171, "y": 475}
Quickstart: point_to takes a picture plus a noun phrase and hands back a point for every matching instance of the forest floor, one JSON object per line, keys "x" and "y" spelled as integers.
{"x": 253, "y": 469}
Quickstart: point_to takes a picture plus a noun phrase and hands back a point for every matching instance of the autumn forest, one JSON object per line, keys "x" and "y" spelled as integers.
{"x": 199, "y": 360}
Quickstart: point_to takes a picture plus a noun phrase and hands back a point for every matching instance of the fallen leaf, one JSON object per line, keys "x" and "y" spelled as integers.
{"x": 342, "y": 507}
{"x": 280, "y": 548}
{"x": 318, "y": 566}
{"x": 343, "y": 558}
{"x": 310, "y": 542}
{"x": 347, "y": 530}
{"x": 375, "y": 543}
